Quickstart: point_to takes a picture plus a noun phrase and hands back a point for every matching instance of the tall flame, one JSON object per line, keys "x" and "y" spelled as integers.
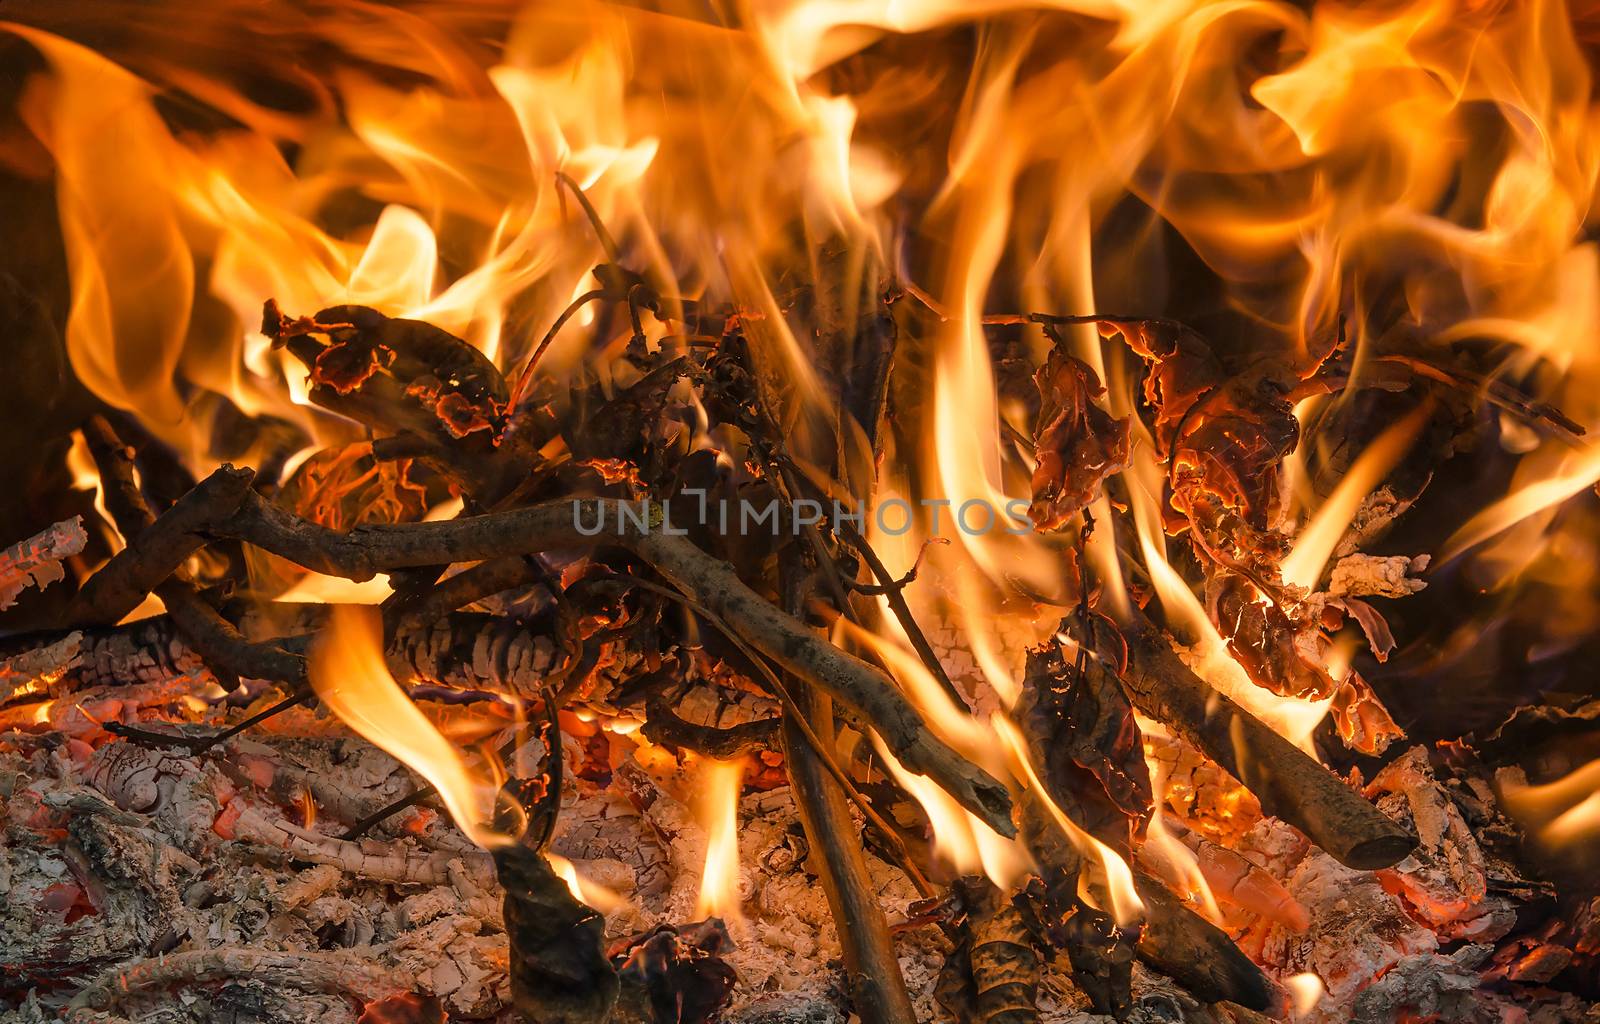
{"x": 1126, "y": 906}
{"x": 718, "y": 784}
{"x": 349, "y": 676}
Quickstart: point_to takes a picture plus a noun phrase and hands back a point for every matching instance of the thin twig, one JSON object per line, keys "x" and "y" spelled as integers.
{"x": 202, "y": 744}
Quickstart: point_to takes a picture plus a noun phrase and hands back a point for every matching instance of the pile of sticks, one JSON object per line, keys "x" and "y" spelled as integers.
{"x": 427, "y": 398}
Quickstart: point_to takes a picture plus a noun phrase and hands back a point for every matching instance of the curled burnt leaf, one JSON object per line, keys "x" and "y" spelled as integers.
{"x": 1284, "y": 653}
{"x": 1076, "y": 443}
{"x": 678, "y": 972}
{"x": 341, "y": 487}
{"x": 1183, "y": 370}
{"x": 1081, "y": 734}
{"x": 1224, "y": 433}
{"x": 1234, "y": 440}
{"x": 1361, "y": 718}
{"x": 1264, "y": 639}
{"x": 992, "y": 975}
{"x": 394, "y": 373}
{"x": 559, "y": 970}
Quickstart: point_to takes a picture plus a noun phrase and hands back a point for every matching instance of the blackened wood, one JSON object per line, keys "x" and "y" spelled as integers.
{"x": 156, "y": 551}
{"x": 1196, "y": 953}
{"x": 869, "y": 695}
{"x": 223, "y": 648}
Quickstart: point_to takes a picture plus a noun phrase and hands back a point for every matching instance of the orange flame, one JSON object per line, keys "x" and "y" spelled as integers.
{"x": 960, "y": 837}
{"x": 349, "y": 675}
{"x": 1126, "y": 906}
{"x": 1562, "y": 812}
{"x": 719, "y": 784}
{"x": 583, "y": 890}
{"x": 1303, "y": 565}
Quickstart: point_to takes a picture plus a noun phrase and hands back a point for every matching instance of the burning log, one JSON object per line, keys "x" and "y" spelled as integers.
{"x": 1289, "y": 784}
{"x": 1196, "y": 953}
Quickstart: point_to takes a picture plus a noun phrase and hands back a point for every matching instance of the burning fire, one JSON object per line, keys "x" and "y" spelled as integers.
{"x": 717, "y": 785}
{"x": 1126, "y": 906}
{"x": 593, "y": 893}
{"x": 1563, "y": 812}
{"x": 349, "y": 675}
{"x": 1378, "y": 172}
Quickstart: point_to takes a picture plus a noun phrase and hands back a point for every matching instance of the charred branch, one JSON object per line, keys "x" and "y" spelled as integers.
{"x": 1288, "y": 782}
{"x": 876, "y": 986}
{"x": 662, "y": 725}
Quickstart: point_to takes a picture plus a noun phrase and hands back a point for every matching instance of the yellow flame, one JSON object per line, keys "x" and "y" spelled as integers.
{"x": 1181, "y": 865}
{"x": 1561, "y": 812}
{"x": 349, "y": 675}
{"x": 1292, "y": 718}
{"x": 1126, "y": 906}
{"x": 1575, "y": 473}
{"x": 1305, "y": 991}
{"x": 1303, "y": 565}
{"x": 718, "y": 784}
{"x": 315, "y": 588}
{"x": 960, "y": 837}
{"x": 584, "y": 890}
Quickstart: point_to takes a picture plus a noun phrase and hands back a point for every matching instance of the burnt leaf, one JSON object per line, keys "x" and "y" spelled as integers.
{"x": 341, "y": 487}
{"x": 992, "y": 976}
{"x": 1183, "y": 370}
{"x": 679, "y": 972}
{"x": 1362, "y": 720}
{"x": 1082, "y": 737}
{"x": 1263, "y": 638}
{"x": 1224, "y": 433}
{"x": 558, "y": 968}
{"x": 1076, "y": 443}
{"x": 630, "y": 426}
{"x": 389, "y": 372}
{"x": 1234, "y": 441}
{"x": 1284, "y": 654}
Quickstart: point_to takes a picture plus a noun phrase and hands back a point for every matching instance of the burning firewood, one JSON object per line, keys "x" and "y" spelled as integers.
{"x": 610, "y": 588}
